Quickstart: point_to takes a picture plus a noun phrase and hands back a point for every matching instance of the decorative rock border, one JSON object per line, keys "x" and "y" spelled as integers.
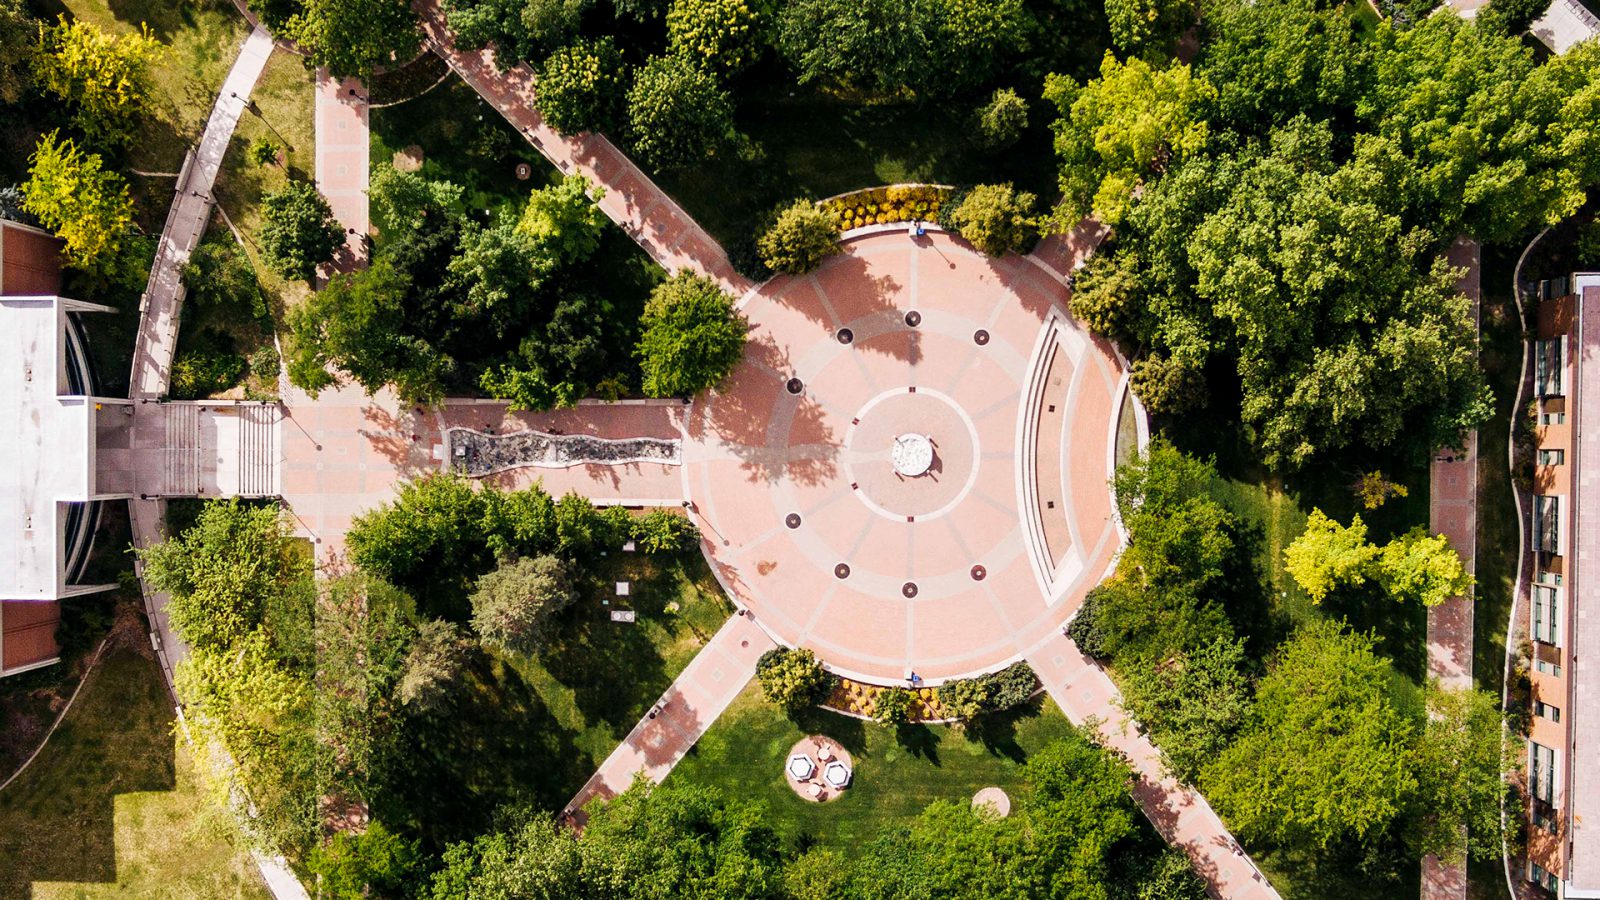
{"x": 476, "y": 454}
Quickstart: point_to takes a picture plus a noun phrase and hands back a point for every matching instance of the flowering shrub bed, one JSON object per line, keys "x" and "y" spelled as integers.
{"x": 862, "y": 700}
{"x": 964, "y": 698}
{"x": 882, "y": 205}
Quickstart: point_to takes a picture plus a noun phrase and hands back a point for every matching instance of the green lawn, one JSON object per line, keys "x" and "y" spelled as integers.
{"x": 203, "y": 39}
{"x": 112, "y": 807}
{"x": 284, "y": 112}
{"x": 1497, "y": 515}
{"x": 897, "y": 774}
{"x": 529, "y": 730}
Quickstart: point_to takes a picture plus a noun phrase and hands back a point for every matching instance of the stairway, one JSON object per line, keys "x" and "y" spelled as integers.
{"x": 181, "y": 463}
{"x": 258, "y": 450}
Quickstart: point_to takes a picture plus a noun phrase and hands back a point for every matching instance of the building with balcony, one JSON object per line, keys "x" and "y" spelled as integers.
{"x": 1563, "y": 745}
{"x": 50, "y": 425}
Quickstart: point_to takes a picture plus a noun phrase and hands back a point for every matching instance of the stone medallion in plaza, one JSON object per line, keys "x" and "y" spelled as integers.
{"x": 909, "y": 471}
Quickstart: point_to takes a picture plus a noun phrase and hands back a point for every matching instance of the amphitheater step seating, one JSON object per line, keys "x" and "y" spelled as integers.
{"x": 181, "y": 466}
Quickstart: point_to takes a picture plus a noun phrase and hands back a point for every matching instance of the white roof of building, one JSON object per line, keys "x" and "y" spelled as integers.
{"x": 46, "y": 445}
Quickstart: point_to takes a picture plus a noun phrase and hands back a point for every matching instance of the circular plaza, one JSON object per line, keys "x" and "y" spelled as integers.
{"x": 909, "y": 471}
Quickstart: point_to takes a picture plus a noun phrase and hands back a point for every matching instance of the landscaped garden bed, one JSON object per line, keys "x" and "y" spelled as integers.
{"x": 883, "y": 205}
{"x": 475, "y": 454}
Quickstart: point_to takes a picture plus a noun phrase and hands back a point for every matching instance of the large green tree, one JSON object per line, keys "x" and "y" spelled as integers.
{"x": 298, "y": 231}
{"x": 719, "y": 36}
{"x": 104, "y": 79}
{"x": 1190, "y": 703}
{"x": 224, "y": 571}
{"x": 1273, "y": 60}
{"x": 583, "y": 87}
{"x": 693, "y": 338}
{"x": 1465, "y": 767}
{"x": 1122, "y": 128}
{"x": 1328, "y": 556}
{"x": 356, "y": 325}
{"x": 18, "y": 33}
{"x": 88, "y": 207}
{"x": 355, "y": 37}
{"x": 1324, "y": 756}
{"x": 512, "y": 606}
{"x": 678, "y": 115}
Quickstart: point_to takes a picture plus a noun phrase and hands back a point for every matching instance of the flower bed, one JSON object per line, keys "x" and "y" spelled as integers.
{"x": 883, "y": 205}
{"x": 858, "y": 699}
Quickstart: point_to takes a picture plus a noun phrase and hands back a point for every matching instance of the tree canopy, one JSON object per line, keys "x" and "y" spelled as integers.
{"x": 583, "y": 87}
{"x": 354, "y": 37}
{"x": 693, "y": 338}
{"x": 298, "y": 231}
{"x": 678, "y": 115}
{"x": 72, "y": 195}
{"x": 104, "y": 79}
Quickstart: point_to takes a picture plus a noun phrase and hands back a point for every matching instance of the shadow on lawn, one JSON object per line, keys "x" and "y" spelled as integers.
{"x": 58, "y": 820}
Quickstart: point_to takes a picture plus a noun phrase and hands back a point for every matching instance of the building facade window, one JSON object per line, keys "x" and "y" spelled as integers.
{"x": 1542, "y": 821}
{"x": 1552, "y": 457}
{"x": 1548, "y": 577}
{"x": 1546, "y": 614}
{"x": 1542, "y": 877}
{"x": 1542, "y": 772}
{"x": 1547, "y": 668}
{"x": 1545, "y": 711}
{"x": 1547, "y": 524}
{"x": 1549, "y": 359}
{"x": 1552, "y": 418}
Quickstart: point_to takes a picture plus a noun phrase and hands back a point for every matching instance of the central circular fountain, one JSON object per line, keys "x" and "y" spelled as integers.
{"x": 912, "y": 455}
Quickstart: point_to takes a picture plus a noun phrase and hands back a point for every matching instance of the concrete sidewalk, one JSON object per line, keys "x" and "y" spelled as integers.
{"x": 162, "y": 303}
{"x": 1183, "y": 817}
{"x": 631, "y": 199}
{"x": 710, "y": 682}
{"x": 343, "y": 163}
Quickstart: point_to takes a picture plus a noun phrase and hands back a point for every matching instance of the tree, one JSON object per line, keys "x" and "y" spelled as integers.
{"x": 817, "y": 874}
{"x": 677, "y": 114}
{"x": 352, "y": 866}
{"x": 1002, "y": 120}
{"x": 1117, "y": 130}
{"x": 404, "y": 203}
{"x": 937, "y": 47}
{"x": 222, "y": 571}
{"x": 298, "y": 231}
{"x": 357, "y": 325}
{"x": 1148, "y": 27}
{"x": 518, "y": 29}
{"x": 583, "y": 87}
{"x": 564, "y": 221}
{"x": 966, "y": 698}
{"x": 682, "y": 841}
{"x": 799, "y": 240}
{"x": 498, "y": 272}
{"x": 433, "y": 666}
{"x": 1423, "y": 568}
{"x": 665, "y": 531}
{"x": 793, "y": 678}
{"x": 1483, "y": 129}
{"x": 1190, "y": 703}
{"x": 1461, "y": 761}
{"x": 1274, "y": 60}
{"x": 18, "y": 33}
{"x": 1323, "y": 757}
{"x": 719, "y": 36}
{"x": 512, "y": 607}
{"x": 1328, "y": 556}
{"x": 997, "y": 219}
{"x": 263, "y": 152}
{"x": 219, "y": 274}
{"x": 892, "y": 706}
{"x": 354, "y": 37}
{"x": 103, "y": 79}
{"x": 692, "y": 337}
{"x": 89, "y": 208}
{"x": 431, "y": 532}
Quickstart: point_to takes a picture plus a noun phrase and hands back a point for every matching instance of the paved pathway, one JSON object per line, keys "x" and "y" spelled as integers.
{"x": 705, "y": 688}
{"x": 1453, "y": 512}
{"x": 343, "y": 152}
{"x": 345, "y": 452}
{"x": 632, "y": 200}
{"x": 1181, "y": 815}
{"x": 162, "y": 303}
{"x": 159, "y": 312}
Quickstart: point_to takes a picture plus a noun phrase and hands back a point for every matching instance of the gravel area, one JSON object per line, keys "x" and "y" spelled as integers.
{"x": 474, "y": 453}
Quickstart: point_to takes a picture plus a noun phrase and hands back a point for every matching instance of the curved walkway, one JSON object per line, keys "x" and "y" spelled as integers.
{"x": 632, "y": 200}
{"x": 159, "y": 312}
